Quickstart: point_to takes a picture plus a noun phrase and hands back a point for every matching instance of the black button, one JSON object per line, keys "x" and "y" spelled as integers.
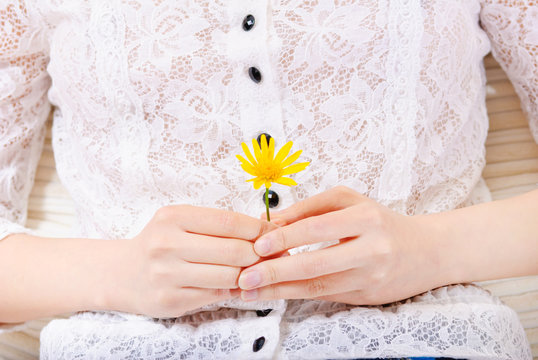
{"x": 248, "y": 22}
{"x": 258, "y": 344}
{"x": 272, "y": 198}
{"x": 263, "y": 313}
{"x": 255, "y": 74}
{"x": 267, "y": 138}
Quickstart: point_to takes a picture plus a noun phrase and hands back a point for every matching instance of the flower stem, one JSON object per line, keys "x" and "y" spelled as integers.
{"x": 267, "y": 204}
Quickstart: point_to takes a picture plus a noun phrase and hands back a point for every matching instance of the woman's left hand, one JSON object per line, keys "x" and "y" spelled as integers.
{"x": 382, "y": 256}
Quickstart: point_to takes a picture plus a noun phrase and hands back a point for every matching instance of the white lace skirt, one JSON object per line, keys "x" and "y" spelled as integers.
{"x": 456, "y": 321}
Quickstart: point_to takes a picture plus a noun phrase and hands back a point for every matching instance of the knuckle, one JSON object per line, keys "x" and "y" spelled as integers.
{"x": 264, "y": 227}
{"x": 154, "y": 277}
{"x": 345, "y": 192}
{"x": 228, "y": 221}
{"x": 246, "y": 256}
{"x": 220, "y": 293}
{"x": 158, "y": 245}
{"x": 311, "y": 265}
{"x": 299, "y": 208}
{"x": 319, "y": 264}
{"x": 164, "y": 299}
{"x": 315, "y": 287}
{"x": 158, "y": 275}
{"x": 275, "y": 292}
{"x": 342, "y": 190}
{"x": 165, "y": 213}
{"x": 314, "y": 226}
{"x": 229, "y": 278}
{"x": 384, "y": 249}
{"x": 232, "y": 252}
{"x": 238, "y": 253}
{"x": 271, "y": 273}
{"x": 156, "y": 248}
{"x": 281, "y": 242}
{"x": 377, "y": 276}
{"x": 374, "y": 216}
{"x": 345, "y": 196}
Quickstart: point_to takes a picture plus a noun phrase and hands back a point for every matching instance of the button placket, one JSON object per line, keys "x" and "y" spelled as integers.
{"x": 257, "y": 88}
{"x": 250, "y": 45}
{"x": 253, "y": 72}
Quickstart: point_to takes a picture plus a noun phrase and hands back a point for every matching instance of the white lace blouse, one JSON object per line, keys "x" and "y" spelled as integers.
{"x": 153, "y": 98}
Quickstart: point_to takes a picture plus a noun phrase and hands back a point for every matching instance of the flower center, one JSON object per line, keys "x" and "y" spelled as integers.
{"x": 270, "y": 171}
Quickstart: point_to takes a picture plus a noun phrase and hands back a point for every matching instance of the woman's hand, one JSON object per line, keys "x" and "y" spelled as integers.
{"x": 184, "y": 258}
{"x": 382, "y": 256}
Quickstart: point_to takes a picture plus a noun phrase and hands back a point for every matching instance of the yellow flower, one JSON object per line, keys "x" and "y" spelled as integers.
{"x": 268, "y": 168}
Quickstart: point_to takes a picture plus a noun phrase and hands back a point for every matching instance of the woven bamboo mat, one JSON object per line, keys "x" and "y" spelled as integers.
{"x": 512, "y": 168}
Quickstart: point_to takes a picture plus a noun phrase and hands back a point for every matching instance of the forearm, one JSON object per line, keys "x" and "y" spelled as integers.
{"x": 487, "y": 241}
{"x": 42, "y": 277}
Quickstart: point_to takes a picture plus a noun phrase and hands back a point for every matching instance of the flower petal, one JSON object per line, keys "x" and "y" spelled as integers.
{"x": 295, "y": 168}
{"x": 249, "y": 169}
{"x": 258, "y": 182}
{"x": 286, "y": 181}
{"x": 291, "y": 159}
{"x": 242, "y": 159}
{"x": 268, "y": 168}
{"x": 271, "y": 149}
{"x": 283, "y": 152}
{"x": 246, "y": 150}
{"x": 265, "y": 149}
{"x": 257, "y": 151}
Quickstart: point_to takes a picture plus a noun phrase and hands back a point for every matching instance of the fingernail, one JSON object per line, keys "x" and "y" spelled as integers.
{"x": 249, "y": 295}
{"x": 278, "y": 222}
{"x": 250, "y": 279}
{"x": 262, "y": 246}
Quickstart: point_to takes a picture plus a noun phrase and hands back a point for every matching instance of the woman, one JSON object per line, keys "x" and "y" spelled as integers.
{"x": 153, "y": 99}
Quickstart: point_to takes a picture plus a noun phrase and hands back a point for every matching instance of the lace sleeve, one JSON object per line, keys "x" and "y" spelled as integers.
{"x": 23, "y": 111}
{"x": 512, "y": 27}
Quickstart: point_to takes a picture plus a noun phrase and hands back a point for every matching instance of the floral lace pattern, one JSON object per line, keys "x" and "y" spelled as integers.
{"x": 153, "y": 98}
{"x": 477, "y": 326}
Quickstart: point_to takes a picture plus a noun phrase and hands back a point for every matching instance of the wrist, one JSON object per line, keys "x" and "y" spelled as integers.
{"x": 109, "y": 276}
{"x": 442, "y": 249}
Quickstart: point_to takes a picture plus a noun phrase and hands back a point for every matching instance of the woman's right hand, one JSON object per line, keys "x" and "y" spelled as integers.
{"x": 184, "y": 258}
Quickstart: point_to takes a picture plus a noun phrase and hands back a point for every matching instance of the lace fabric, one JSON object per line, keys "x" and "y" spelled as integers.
{"x": 476, "y": 327}
{"x": 152, "y": 100}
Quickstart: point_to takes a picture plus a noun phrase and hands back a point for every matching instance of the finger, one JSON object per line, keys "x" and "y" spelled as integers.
{"x": 217, "y": 250}
{"x": 215, "y": 222}
{"x": 208, "y": 276}
{"x": 334, "y": 199}
{"x": 301, "y": 266}
{"x": 327, "y": 285}
{"x": 327, "y": 227}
